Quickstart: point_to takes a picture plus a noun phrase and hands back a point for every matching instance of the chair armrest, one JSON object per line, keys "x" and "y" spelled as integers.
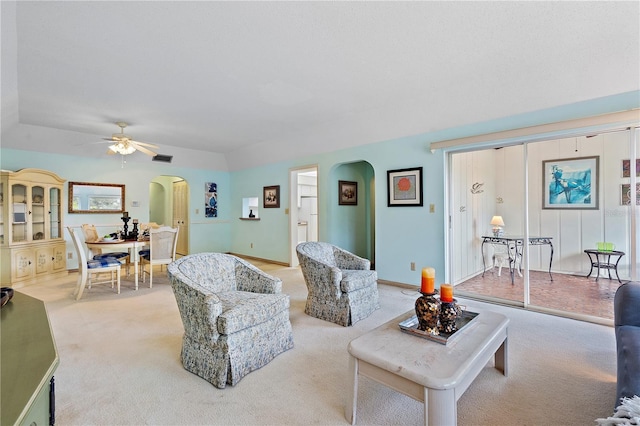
{"x": 322, "y": 280}
{"x": 249, "y": 278}
{"x": 348, "y": 260}
{"x": 199, "y": 310}
{"x": 626, "y": 303}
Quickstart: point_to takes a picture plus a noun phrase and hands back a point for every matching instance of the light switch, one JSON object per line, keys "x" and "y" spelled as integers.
{"x": 432, "y": 208}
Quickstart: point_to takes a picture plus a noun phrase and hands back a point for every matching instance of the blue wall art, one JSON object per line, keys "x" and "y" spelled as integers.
{"x": 210, "y": 199}
{"x": 570, "y": 183}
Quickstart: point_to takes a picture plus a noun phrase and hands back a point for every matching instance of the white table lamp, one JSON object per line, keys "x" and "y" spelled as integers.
{"x": 497, "y": 224}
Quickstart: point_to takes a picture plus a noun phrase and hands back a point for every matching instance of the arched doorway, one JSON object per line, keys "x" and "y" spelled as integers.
{"x": 169, "y": 205}
{"x": 352, "y": 227}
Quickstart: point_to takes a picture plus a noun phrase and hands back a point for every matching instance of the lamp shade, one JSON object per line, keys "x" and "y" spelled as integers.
{"x": 497, "y": 221}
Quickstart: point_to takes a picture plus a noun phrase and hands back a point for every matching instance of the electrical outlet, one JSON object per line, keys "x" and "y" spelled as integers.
{"x": 413, "y": 266}
{"x": 251, "y": 245}
{"x": 432, "y": 208}
{"x": 70, "y": 255}
{"x": 197, "y": 211}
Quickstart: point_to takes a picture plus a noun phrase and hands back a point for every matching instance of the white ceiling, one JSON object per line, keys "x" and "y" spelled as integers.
{"x": 264, "y": 81}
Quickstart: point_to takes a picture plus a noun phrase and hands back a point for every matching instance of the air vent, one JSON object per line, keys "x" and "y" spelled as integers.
{"x": 163, "y": 158}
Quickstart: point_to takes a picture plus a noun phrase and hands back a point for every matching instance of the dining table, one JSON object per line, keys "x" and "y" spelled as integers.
{"x": 133, "y": 246}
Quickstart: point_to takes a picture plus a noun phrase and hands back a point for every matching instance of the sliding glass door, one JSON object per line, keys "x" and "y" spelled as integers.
{"x": 549, "y": 201}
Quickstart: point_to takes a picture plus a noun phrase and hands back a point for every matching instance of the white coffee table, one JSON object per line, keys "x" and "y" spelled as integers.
{"x": 425, "y": 370}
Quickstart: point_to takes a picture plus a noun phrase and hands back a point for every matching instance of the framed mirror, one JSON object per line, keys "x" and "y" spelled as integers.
{"x": 86, "y": 197}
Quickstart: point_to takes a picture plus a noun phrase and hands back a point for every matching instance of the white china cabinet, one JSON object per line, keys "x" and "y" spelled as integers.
{"x": 32, "y": 245}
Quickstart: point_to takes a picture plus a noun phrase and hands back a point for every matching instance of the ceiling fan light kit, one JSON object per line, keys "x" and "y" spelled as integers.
{"x": 124, "y": 145}
{"x": 122, "y": 148}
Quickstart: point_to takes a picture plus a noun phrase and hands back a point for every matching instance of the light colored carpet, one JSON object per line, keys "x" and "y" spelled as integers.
{"x": 119, "y": 365}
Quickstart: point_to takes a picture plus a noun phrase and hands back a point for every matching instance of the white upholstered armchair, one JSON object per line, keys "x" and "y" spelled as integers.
{"x": 341, "y": 287}
{"x": 235, "y": 317}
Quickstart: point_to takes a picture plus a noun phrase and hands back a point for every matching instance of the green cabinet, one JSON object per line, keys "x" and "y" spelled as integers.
{"x": 29, "y": 359}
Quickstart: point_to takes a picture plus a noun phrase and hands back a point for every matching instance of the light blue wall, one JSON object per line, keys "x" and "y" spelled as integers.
{"x": 402, "y": 234}
{"x": 204, "y": 234}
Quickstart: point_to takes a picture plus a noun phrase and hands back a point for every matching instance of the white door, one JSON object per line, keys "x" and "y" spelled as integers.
{"x": 181, "y": 216}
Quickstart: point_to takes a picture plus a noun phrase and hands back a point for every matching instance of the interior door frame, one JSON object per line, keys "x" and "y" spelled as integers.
{"x": 293, "y": 209}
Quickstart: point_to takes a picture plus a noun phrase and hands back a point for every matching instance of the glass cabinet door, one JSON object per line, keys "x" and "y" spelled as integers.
{"x": 37, "y": 213}
{"x": 20, "y": 212}
{"x": 55, "y": 213}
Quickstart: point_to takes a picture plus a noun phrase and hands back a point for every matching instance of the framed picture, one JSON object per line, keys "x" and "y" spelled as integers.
{"x": 210, "y": 199}
{"x": 570, "y": 183}
{"x": 347, "y": 193}
{"x": 625, "y": 194}
{"x": 271, "y": 197}
{"x": 404, "y": 187}
{"x": 626, "y": 168}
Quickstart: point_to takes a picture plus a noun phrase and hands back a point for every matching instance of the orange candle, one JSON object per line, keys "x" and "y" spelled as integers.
{"x": 428, "y": 280}
{"x": 446, "y": 293}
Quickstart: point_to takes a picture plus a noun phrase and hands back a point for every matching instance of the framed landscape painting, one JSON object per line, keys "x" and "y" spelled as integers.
{"x": 347, "y": 193}
{"x": 570, "y": 183}
{"x": 404, "y": 187}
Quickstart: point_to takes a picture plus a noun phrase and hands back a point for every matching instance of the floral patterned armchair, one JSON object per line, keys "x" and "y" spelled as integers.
{"x": 235, "y": 317}
{"x": 341, "y": 287}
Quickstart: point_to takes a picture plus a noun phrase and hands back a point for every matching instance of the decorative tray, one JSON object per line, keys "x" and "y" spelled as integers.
{"x": 410, "y": 326}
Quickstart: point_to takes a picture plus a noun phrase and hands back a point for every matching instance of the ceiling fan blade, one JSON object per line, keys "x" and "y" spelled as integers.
{"x": 110, "y": 139}
{"x": 150, "y": 145}
{"x": 143, "y": 149}
{"x": 110, "y": 152}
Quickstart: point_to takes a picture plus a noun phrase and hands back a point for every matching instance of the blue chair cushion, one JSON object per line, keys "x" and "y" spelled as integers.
{"x": 101, "y": 263}
{"x": 145, "y": 253}
{"x": 117, "y": 255}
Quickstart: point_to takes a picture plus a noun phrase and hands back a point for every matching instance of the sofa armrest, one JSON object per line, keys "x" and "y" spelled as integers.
{"x": 251, "y": 279}
{"x": 348, "y": 260}
{"x": 626, "y": 304}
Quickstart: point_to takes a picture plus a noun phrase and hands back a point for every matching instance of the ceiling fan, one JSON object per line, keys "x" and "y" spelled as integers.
{"x": 124, "y": 145}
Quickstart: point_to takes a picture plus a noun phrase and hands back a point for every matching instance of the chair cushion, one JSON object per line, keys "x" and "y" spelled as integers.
{"x": 101, "y": 263}
{"x": 145, "y": 253}
{"x": 357, "y": 279}
{"x": 241, "y": 309}
{"x": 117, "y": 255}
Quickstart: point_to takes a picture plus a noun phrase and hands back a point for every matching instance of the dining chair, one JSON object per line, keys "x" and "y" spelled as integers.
{"x": 162, "y": 250}
{"x": 502, "y": 257}
{"x": 90, "y": 269}
{"x": 91, "y": 234}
